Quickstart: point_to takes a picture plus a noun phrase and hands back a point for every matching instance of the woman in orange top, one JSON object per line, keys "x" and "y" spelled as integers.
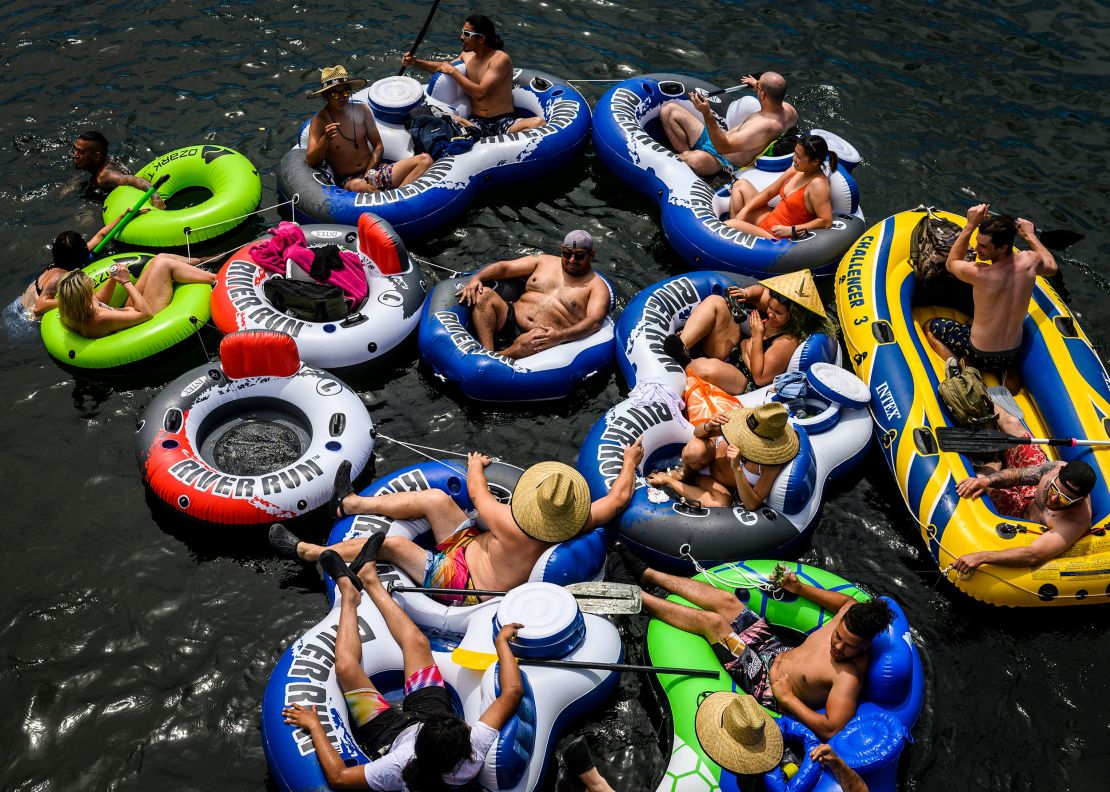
{"x": 804, "y": 196}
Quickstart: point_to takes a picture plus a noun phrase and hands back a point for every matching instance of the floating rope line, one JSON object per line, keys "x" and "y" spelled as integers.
{"x": 414, "y": 447}
{"x": 751, "y": 579}
{"x": 189, "y": 231}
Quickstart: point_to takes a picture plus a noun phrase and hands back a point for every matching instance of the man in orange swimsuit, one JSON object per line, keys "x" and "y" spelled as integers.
{"x": 493, "y": 548}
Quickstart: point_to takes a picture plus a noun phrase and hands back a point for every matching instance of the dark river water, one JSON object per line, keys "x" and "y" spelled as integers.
{"x": 135, "y": 649}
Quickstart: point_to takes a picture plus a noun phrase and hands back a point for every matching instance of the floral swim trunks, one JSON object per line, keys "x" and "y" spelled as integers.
{"x": 446, "y": 567}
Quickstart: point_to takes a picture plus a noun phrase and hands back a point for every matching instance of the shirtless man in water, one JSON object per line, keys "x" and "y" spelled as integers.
{"x": 706, "y": 148}
{"x": 1002, "y": 282}
{"x": 551, "y": 503}
{"x": 827, "y": 671}
{"x": 488, "y": 80}
{"x": 90, "y": 154}
{"x": 345, "y": 135}
{"x": 563, "y": 300}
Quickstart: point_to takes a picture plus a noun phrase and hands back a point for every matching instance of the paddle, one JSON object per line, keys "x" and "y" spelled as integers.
{"x": 601, "y": 598}
{"x": 480, "y": 661}
{"x": 134, "y": 210}
{"x": 1058, "y": 238}
{"x": 421, "y": 34}
{"x": 974, "y": 441}
{"x": 734, "y": 88}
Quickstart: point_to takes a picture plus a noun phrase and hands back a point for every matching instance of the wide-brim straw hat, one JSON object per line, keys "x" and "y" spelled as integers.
{"x": 335, "y": 76}
{"x": 797, "y": 287}
{"x": 738, "y": 734}
{"x": 551, "y": 502}
{"x": 763, "y": 434}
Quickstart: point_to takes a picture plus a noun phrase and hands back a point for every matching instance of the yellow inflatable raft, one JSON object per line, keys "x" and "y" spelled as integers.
{"x": 1066, "y": 393}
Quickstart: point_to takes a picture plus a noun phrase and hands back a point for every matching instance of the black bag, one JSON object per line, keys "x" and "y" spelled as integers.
{"x": 314, "y": 302}
{"x": 930, "y": 243}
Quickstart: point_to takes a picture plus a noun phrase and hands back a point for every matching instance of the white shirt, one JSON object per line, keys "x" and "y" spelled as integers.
{"x": 385, "y": 774}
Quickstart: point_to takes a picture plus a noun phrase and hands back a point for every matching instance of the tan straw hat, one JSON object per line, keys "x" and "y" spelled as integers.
{"x": 738, "y": 734}
{"x": 333, "y": 77}
{"x": 797, "y": 287}
{"x": 762, "y": 433}
{"x": 551, "y": 502}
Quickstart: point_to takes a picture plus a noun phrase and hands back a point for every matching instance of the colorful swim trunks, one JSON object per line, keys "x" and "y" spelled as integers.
{"x": 446, "y": 567}
{"x": 376, "y": 723}
{"x": 380, "y": 177}
{"x": 1012, "y": 501}
{"x": 752, "y": 669}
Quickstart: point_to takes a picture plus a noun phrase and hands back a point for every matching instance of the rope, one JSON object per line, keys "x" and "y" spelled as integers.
{"x": 452, "y": 273}
{"x": 620, "y": 79}
{"x": 414, "y": 447}
{"x": 751, "y": 580}
{"x": 189, "y": 231}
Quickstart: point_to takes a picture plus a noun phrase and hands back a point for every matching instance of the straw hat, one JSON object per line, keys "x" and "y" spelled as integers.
{"x": 333, "y": 77}
{"x": 738, "y": 734}
{"x": 762, "y": 433}
{"x": 551, "y": 502}
{"x": 797, "y": 287}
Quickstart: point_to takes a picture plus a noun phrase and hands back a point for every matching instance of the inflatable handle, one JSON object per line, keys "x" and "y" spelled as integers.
{"x": 808, "y": 771}
{"x": 131, "y": 213}
{"x": 259, "y": 353}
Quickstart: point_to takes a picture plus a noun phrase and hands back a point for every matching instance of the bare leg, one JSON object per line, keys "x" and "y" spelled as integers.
{"x": 164, "y": 270}
{"x": 721, "y": 374}
{"x": 488, "y": 315}
{"x": 360, "y": 185}
{"x": 415, "y": 649}
{"x": 594, "y": 782}
{"x": 681, "y": 127}
{"x": 711, "y": 324}
{"x": 442, "y": 513}
{"x": 712, "y": 599}
{"x": 936, "y": 344}
{"x": 698, "y": 452}
{"x": 348, "y": 647}
{"x": 742, "y": 192}
{"x": 710, "y": 625}
{"x": 749, "y": 228}
{"x": 522, "y": 124}
{"x": 410, "y": 169}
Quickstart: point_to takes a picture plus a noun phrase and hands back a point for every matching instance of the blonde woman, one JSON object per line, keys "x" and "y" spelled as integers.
{"x": 84, "y": 308}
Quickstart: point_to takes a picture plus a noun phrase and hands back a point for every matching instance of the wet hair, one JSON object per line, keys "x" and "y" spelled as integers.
{"x": 774, "y": 85}
{"x": 1001, "y": 229}
{"x": 100, "y": 143}
{"x": 801, "y": 322}
{"x": 69, "y": 250}
{"x": 75, "y": 293}
{"x": 1079, "y": 478}
{"x": 484, "y": 25}
{"x": 816, "y": 147}
{"x": 868, "y": 619}
{"x": 441, "y": 746}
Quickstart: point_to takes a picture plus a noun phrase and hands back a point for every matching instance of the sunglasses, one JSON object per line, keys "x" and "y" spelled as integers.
{"x": 469, "y": 34}
{"x": 1054, "y": 486}
{"x": 575, "y": 254}
{"x": 338, "y": 92}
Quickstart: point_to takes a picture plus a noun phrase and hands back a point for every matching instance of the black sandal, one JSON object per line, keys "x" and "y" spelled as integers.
{"x": 340, "y": 489}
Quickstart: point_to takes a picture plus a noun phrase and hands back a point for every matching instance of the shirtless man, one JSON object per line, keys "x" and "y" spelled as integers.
{"x": 488, "y": 80}
{"x": 1002, "y": 282}
{"x": 563, "y": 300}
{"x": 827, "y": 670}
{"x": 706, "y": 148}
{"x": 346, "y": 136}
{"x": 1054, "y": 494}
{"x": 551, "y": 504}
{"x": 90, "y": 154}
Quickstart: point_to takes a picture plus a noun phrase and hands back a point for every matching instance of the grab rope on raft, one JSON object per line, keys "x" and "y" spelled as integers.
{"x": 751, "y": 581}
{"x": 190, "y": 231}
{"x": 414, "y": 447}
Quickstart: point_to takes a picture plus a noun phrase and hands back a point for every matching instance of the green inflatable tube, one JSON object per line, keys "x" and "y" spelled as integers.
{"x": 231, "y": 180}
{"x": 669, "y": 646}
{"x": 185, "y": 315}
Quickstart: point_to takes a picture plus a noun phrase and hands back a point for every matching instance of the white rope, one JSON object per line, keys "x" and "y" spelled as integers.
{"x": 189, "y": 231}
{"x": 751, "y": 581}
{"x": 621, "y": 79}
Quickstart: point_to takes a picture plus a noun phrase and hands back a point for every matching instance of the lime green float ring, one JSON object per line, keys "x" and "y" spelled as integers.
{"x": 230, "y": 178}
{"x": 185, "y": 315}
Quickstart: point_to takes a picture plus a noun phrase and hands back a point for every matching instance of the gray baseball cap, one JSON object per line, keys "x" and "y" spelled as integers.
{"x": 579, "y": 239}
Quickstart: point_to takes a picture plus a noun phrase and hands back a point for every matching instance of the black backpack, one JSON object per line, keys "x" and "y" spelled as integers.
{"x": 313, "y": 302}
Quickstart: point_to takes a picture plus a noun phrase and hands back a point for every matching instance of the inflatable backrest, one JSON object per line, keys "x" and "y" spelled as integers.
{"x": 740, "y": 110}
{"x": 817, "y": 348}
{"x": 794, "y": 487}
{"x": 802, "y": 740}
{"x": 259, "y": 353}
{"x": 444, "y": 88}
{"x": 889, "y": 669}
{"x": 573, "y": 561}
{"x": 377, "y": 243}
{"x": 844, "y": 193}
{"x": 517, "y": 740}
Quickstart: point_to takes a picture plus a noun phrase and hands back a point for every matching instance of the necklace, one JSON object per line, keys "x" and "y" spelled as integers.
{"x": 354, "y": 128}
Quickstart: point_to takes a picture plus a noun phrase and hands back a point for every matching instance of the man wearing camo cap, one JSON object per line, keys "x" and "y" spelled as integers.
{"x": 563, "y": 300}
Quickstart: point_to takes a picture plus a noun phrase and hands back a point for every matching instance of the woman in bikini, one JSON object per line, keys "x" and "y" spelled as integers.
{"x": 739, "y": 456}
{"x": 746, "y": 349}
{"x": 84, "y": 308}
{"x": 70, "y": 251}
{"x": 805, "y": 202}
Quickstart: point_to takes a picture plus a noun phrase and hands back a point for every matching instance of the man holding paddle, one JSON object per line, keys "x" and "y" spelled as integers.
{"x": 708, "y": 149}
{"x": 494, "y": 549}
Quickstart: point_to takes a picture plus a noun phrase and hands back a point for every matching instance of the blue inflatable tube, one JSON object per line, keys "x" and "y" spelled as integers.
{"x": 439, "y": 196}
{"x": 447, "y": 345}
{"x": 627, "y": 136}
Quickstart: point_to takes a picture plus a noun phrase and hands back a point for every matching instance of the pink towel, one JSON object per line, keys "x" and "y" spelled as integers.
{"x": 271, "y": 254}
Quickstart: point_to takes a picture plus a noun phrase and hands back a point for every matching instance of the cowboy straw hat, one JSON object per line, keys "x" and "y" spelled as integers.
{"x": 551, "y": 502}
{"x": 333, "y": 77}
{"x": 738, "y": 734}
{"x": 762, "y": 433}
{"x": 797, "y": 287}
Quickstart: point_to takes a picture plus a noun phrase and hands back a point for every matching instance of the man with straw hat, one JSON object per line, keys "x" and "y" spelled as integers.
{"x": 345, "y": 135}
{"x": 744, "y": 455}
{"x": 746, "y": 349}
{"x": 738, "y": 734}
{"x": 492, "y": 549}
{"x": 826, "y": 672}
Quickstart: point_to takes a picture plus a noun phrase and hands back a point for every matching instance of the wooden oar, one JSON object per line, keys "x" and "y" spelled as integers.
{"x": 134, "y": 210}
{"x": 602, "y": 598}
{"x": 975, "y": 441}
{"x": 480, "y": 661}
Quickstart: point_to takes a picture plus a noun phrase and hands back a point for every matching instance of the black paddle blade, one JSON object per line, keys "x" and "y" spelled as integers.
{"x": 1059, "y": 238}
{"x": 975, "y": 441}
